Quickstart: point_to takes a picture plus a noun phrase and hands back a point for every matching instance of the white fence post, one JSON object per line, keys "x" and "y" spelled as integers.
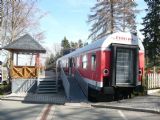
{"x": 153, "y": 80}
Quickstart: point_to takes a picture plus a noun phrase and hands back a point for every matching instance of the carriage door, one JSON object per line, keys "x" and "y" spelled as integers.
{"x": 70, "y": 65}
{"x": 124, "y": 65}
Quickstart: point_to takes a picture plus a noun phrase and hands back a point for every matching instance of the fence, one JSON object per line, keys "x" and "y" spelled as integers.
{"x": 153, "y": 80}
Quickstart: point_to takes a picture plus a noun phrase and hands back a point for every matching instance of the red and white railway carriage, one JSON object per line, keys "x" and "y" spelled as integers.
{"x": 107, "y": 65}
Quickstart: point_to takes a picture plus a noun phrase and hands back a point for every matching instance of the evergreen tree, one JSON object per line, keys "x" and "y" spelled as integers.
{"x": 65, "y": 46}
{"x": 51, "y": 59}
{"x": 50, "y": 62}
{"x": 151, "y": 31}
{"x": 110, "y": 16}
{"x": 76, "y": 45}
{"x": 80, "y": 43}
{"x": 65, "y": 43}
{"x": 73, "y": 45}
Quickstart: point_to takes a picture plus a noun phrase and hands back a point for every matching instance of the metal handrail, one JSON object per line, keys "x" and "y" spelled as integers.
{"x": 66, "y": 83}
{"x": 26, "y": 85}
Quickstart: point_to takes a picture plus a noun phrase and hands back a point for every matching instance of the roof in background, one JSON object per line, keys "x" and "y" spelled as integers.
{"x": 25, "y": 44}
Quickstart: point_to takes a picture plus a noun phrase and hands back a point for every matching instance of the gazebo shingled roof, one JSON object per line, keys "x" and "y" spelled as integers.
{"x": 25, "y": 44}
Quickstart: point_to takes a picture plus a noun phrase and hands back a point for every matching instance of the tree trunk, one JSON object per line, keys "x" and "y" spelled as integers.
{"x": 112, "y": 17}
{"x": 124, "y": 15}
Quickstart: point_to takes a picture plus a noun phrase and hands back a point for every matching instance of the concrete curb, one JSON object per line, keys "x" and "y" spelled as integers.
{"x": 32, "y": 102}
{"x": 11, "y": 99}
{"x": 126, "y": 108}
{"x": 5, "y": 99}
{"x": 42, "y": 102}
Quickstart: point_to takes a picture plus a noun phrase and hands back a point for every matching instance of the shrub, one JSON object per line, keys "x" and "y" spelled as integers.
{"x": 5, "y": 88}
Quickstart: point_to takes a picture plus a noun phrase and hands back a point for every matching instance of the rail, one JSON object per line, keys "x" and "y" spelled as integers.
{"x": 25, "y": 72}
{"x": 25, "y": 85}
{"x": 153, "y": 80}
{"x": 65, "y": 83}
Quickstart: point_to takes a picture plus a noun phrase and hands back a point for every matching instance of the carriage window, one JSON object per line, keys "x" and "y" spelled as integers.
{"x": 73, "y": 62}
{"x": 78, "y": 60}
{"x": 84, "y": 62}
{"x": 93, "y": 62}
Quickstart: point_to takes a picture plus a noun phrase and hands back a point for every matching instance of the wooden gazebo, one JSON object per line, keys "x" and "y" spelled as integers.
{"x": 24, "y": 45}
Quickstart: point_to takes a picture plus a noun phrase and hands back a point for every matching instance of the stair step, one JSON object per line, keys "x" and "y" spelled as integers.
{"x": 46, "y": 80}
{"x": 49, "y": 85}
{"x": 47, "y": 92}
{"x": 47, "y": 88}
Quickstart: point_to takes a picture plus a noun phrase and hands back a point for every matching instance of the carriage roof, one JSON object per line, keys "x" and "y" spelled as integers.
{"x": 104, "y": 43}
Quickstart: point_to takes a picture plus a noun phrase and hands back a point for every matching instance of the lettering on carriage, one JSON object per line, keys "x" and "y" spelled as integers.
{"x": 122, "y": 38}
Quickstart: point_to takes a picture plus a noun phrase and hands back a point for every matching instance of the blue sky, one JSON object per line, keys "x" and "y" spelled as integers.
{"x": 69, "y": 18}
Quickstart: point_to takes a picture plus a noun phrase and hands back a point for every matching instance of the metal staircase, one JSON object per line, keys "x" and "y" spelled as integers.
{"x": 47, "y": 86}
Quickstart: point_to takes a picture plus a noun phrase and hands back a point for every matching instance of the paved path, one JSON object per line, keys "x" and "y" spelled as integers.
{"x": 148, "y": 103}
{"x": 13, "y": 110}
{"x": 58, "y": 98}
{"x": 89, "y": 113}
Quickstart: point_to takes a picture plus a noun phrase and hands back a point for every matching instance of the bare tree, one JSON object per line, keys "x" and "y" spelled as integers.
{"x": 125, "y": 14}
{"x": 109, "y": 16}
{"x": 1, "y": 12}
{"x": 20, "y": 16}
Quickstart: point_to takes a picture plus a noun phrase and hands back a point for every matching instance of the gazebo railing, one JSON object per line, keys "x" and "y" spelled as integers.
{"x": 24, "y": 72}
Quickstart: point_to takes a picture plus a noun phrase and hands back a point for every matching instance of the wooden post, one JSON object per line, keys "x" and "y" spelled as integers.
{"x": 37, "y": 63}
{"x": 10, "y": 66}
{"x": 37, "y": 59}
{"x": 11, "y": 59}
{"x": 17, "y": 60}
